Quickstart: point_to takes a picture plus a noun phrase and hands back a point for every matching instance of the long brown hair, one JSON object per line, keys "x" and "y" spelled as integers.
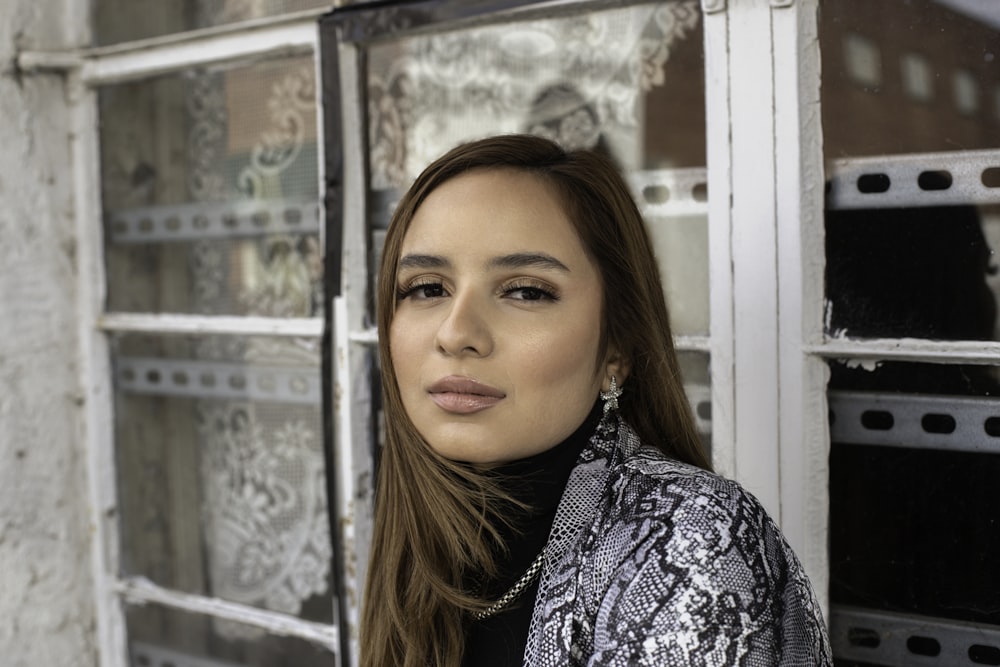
{"x": 434, "y": 518}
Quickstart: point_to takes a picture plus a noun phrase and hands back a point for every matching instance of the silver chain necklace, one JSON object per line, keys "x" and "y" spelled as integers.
{"x": 515, "y": 591}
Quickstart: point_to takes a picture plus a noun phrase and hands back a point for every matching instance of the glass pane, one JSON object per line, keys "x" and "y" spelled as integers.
{"x": 626, "y": 81}
{"x": 681, "y": 246}
{"x": 911, "y": 126}
{"x": 125, "y": 20}
{"x": 901, "y": 77}
{"x": 910, "y": 121}
{"x": 913, "y": 502}
{"x": 695, "y": 369}
{"x": 164, "y": 637}
{"x": 914, "y": 272}
{"x": 210, "y": 191}
{"x": 220, "y": 464}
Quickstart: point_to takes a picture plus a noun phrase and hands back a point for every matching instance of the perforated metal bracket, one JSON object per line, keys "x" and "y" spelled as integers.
{"x": 952, "y": 423}
{"x": 878, "y": 637}
{"x": 199, "y": 220}
{"x": 713, "y": 6}
{"x": 930, "y": 179}
{"x": 700, "y": 398}
{"x": 670, "y": 192}
{"x": 218, "y": 380}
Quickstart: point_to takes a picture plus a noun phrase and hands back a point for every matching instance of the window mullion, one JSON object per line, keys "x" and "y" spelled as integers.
{"x": 803, "y": 431}
{"x": 174, "y": 323}
{"x": 754, "y": 251}
{"x": 355, "y": 476}
{"x": 141, "y": 591}
{"x": 717, "y": 122}
{"x": 95, "y": 375}
{"x": 909, "y": 349}
{"x": 146, "y": 61}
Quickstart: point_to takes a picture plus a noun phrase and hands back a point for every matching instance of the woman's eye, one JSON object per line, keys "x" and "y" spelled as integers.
{"x": 424, "y": 291}
{"x": 530, "y": 294}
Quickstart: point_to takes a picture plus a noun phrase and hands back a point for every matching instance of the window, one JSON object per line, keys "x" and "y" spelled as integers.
{"x": 842, "y": 337}
{"x": 966, "y": 91}
{"x": 863, "y": 60}
{"x": 911, "y": 295}
{"x": 918, "y": 81}
{"x": 215, "y": 442}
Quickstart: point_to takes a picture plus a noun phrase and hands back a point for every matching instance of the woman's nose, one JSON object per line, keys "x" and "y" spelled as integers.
{"x": 465, "y": 330}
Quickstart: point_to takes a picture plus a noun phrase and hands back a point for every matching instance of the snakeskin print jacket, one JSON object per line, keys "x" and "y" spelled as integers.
{"x": 654, "y": 562}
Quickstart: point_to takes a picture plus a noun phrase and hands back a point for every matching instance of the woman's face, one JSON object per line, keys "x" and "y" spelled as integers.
{"x": 498, "y": 319}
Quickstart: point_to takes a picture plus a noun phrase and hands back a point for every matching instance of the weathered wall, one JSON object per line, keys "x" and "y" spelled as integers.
{"x": 46, "y": 594}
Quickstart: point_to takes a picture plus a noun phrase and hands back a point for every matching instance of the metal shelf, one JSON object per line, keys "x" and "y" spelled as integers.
{"x": 213, "y": 220}
{"x": 883, "y": 638}
{"x": 953, "y": 423}
{"x": 670, "y": 192}
{"x": 928, "y": 179}
{"x": 700, "y": 398}
{"x": 658, "y": 193}
{"x": 218, "y": 380}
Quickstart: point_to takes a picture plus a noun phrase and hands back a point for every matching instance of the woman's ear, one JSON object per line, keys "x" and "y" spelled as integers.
{"x": 617, "y": 365}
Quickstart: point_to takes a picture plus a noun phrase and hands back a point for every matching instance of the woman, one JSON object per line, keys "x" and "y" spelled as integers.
{"x": 519, "y": 518}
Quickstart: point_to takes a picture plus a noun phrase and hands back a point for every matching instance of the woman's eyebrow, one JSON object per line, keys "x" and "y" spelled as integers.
{"x": 524, "y": 260}
{"x": 517, "y": 260}
{"x": 423, "y": 262}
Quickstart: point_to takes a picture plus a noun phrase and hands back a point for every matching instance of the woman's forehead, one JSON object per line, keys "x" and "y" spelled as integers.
{"x": 503, "y": 211}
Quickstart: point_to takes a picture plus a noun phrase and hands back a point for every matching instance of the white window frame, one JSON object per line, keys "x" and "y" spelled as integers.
{"x": 767, "y": 271}
{"x": 86, "y": 70}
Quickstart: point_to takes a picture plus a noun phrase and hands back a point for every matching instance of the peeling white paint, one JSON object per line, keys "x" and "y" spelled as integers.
{"x": 870, "y": 365}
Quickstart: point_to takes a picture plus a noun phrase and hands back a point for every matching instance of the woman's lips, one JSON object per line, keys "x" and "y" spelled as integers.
{"x": 461, "y": 395}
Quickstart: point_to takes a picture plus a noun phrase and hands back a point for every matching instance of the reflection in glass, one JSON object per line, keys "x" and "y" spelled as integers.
{"x": 628, "y": 82}
{"x": 910, "y": 232}
{"x": 221, "y": 470}
{"x": 918, "y": 79}
{"x": 162, "y": 637}
{"x": 912, "y": 222}
{"x": 209, "y": 187}
{"x": 966, "y": 92}
{"x": 908, "y": 77}
{"x": 862, "y": 60}
{"x": 695, "y": 369}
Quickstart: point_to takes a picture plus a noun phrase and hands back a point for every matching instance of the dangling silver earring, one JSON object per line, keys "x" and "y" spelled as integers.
{"x": 610, "y": 397}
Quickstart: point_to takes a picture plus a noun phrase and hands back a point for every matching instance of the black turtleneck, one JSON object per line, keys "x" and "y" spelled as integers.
{"x": 538, "y": 481}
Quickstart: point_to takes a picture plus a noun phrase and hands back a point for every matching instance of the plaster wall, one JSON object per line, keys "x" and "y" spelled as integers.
{"x": 46, "y": 592}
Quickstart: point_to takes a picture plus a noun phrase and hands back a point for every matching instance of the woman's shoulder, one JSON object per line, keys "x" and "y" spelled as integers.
{"x": 694, "y": 515}
{"x": 682, "y": 564}
{"x": 660, "y": 483}
{"x": 654, "y": 498}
